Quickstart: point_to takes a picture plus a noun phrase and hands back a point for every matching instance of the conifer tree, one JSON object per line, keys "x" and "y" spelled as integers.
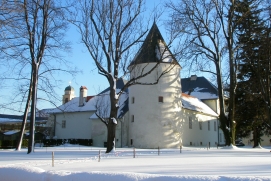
{"x": 251, "y": 29}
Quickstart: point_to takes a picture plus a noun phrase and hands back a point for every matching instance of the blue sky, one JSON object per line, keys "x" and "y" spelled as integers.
{"x": 80, "y": 58}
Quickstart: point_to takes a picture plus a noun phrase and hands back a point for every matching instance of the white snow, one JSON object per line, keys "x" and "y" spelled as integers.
{"x": 81, "y": 164}
{"x": 197, "y": 92}
{"x": 73, "y": 106}
{"x": 11, "y": 132}
{"x": 6, "y": 120}
{"x": 193, "y": 103}
{"x": 114, "y": 121}
{"x": 105, "y": 98}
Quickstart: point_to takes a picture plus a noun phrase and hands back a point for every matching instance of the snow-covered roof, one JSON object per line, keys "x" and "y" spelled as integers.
{"x": 11, "y": 132}
{"x": 42, "y": 112}
{"x": 73, "y": 106}
{"x": 194, "y": 104}
{"x": 199, "y": 87}
{"x": 99, "y": 102}
{"x": 4, "y": 120}
{"x": 104, "y": 103}
{"x": 11, "y": 119}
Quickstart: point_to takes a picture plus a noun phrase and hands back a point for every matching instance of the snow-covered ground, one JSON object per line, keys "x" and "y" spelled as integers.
{"x": 79, "y": 163}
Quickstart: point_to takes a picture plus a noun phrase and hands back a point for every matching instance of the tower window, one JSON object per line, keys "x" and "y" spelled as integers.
{"x": 214, "y": 126}
{"x": 208, "y": 125}
{"x": 200, "y": 125}
{"x": 64, "y": 124}
{"x": 133, "y": 100}
{"x": 66, "y": 100}
{"x": 190, "y": 122}
{"x": 160, "y": 99}
{"x": 133, "y": 118}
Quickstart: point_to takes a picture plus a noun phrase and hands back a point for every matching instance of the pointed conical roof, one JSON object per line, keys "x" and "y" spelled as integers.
{"x": 154, "y": 49}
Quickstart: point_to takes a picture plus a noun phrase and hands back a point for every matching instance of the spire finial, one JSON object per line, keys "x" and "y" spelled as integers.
{"x": 70, "y": 83}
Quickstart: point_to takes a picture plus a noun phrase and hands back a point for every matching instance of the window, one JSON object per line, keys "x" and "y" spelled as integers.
{"x": 190, "y": 122}
{"x": 66, "y": 100}
{"x": 133, "y": 100}
{"x": 133, "y": 118}
{"x": 160, "y": 99}
{"x": 214, "y": 126}
{"x": 63, "y": 124}
{"x": 131, "y": 141}
{"x": 208, "y": 125}
{"x": 200, "y": 125}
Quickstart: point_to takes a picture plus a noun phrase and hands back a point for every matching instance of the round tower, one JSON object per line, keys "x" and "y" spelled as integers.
{"x": 155, "y": 107}
{"x": 68, "y": 94}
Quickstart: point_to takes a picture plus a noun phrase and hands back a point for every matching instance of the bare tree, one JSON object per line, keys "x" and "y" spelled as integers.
{"x": 208, "y": 37}
{"x": 225, "y": 11}
{"x": 33, "y": 38}
{"x": 111, "y": 30}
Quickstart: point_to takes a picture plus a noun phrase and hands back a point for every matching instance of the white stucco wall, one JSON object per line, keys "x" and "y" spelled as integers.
{"x": 155, "y": 122}
{"x": 78, "y": 125}
{"x": 99, "y": 132}
{"x": 197, "y": 136}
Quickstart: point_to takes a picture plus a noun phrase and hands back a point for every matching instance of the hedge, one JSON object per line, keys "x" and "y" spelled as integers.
{"x": 7, "y": 144}
{"x": 56, "y": 142}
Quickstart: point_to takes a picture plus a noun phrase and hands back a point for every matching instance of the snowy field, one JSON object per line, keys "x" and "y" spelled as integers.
{"x": 79, "y": 163}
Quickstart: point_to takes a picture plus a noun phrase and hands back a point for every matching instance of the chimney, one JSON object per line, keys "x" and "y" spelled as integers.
{"x": 193, "y": 77}
{"x": 83, "y": 95}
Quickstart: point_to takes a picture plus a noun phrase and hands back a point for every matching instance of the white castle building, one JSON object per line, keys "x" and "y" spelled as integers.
{"x": 150, "y": 116}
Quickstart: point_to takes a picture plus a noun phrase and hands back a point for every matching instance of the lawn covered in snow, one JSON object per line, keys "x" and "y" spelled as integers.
{"x": 80, "y": 163}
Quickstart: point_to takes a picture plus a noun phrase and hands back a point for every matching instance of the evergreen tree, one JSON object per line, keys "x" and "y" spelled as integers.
{"x": 251, "y": 32}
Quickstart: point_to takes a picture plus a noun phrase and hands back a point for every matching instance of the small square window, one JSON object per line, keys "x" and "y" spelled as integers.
{"x": 160, "y": 99}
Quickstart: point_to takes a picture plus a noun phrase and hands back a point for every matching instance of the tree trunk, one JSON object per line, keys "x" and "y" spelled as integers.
{"x": 111, "y": 127}
{"x": 31, "y": 141}
{"x": 222, "y": 117}
{"x": 111, "y": 131}
{"x": 232, "y": 73}
{"x": 19, "y": 144}
{"x": 256, "y": 138}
